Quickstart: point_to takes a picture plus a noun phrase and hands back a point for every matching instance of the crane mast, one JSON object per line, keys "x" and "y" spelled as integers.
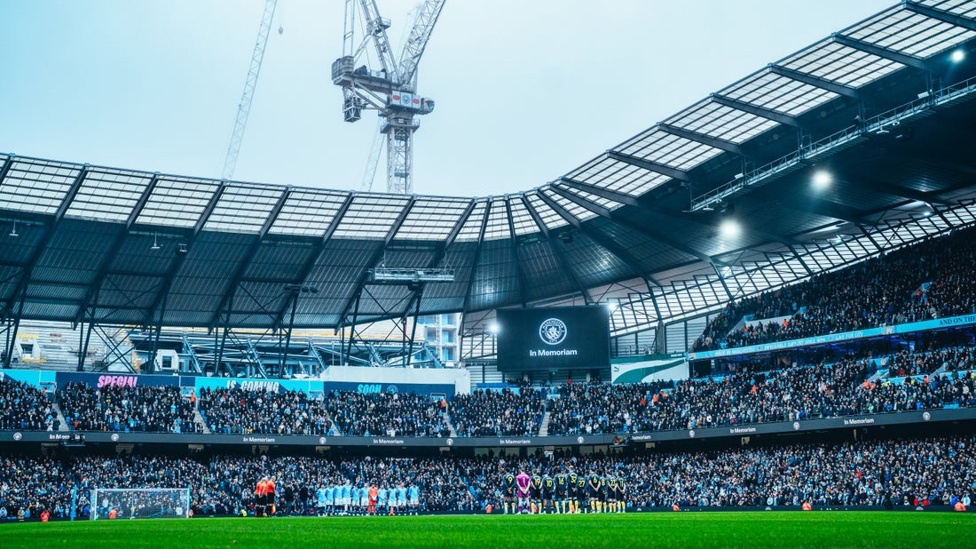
{"x": 390, "y": 90}
{"x": 250, "y": 83}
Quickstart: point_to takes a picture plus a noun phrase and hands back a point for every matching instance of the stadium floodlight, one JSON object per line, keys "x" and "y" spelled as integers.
{"x": 494, "y": 328}
{"x": 149, "y": 503}
{"x": 822, "y": 180}
{"x": 957, "y": 56}
{"x": 730, "y": 228}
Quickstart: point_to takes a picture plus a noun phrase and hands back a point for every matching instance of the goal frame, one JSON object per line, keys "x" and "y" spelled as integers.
{"x": 182, "y": 492}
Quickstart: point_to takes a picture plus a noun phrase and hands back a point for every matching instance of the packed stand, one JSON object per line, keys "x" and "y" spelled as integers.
{"x": 593, "y": 408}
{"x": 508, "y": 412}
{"x": 935, "y": 471}
{"x": 29, "y": 485}
{"x": 240, "y": 411}
{"x": 126, "y": 409}
{"x": 384, "y": 414}
{"x": 844, "y": 388}
{"x": 887, "y": 473}
{"x": 25, "y": 408}
{"x": 930, "y": 280}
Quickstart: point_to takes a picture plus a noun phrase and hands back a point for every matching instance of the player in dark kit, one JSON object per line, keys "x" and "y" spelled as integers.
{"x": 548, "y": 493}
{"x": 508, "y": 485}
{"x": 580, "y": 498}
{"x": 611, "y": 491}
{"x": 621, "y": 493}
{"x": 537, "y": 491}
{"x": 593, "y": 492}
{"x": 562, "y": 491}
{"x": 572, "y": 479}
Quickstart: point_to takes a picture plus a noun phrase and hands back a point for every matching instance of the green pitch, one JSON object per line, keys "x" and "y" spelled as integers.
{"x": 782, "y": 530}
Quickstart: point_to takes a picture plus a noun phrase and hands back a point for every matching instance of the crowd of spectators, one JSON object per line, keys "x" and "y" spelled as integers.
{"x": 126, "y": 409}
{"x": 930, "y": 280}
{"x": 240, "y": 411}
{"x": 25, "y": 408}
{"x": 337, "y": 413}
{"x": 885, "y": 473}
{"x": 30, "y": 484}
{"x": 383, "y": 414}
{"x": 902, "y": 473}
{"x": 847, "y": 387}
{"x": 588, "y": 408}
{"x": 507, "y": 412}
{"x": 785, "y": 391}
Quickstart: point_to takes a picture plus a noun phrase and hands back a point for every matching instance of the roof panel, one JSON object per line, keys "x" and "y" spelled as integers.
{"x": 178, "y": 201}
{"x": 905, "y": 31}
{"x": 498, "y": 221}
{"x": 772, "y": 91}
{"x": 577, "y": 211}
{"x": 965, "y": 8}
{"x": 472, "y": 227}
{"x": 836, "y": 62}
{"x": 243, "y": 208}
{"x": 370, "y": 216}
{"x": 308, "y": 212}
{"x": 108, "y": 194}
{"x": 599, "y": 200}
{"x": 432, "y": 218}
{"x": 668, "y": 149}
{"x": 721, "y": 122}
{"x": 521, "y": 218}
{"x": 549, "y": 216}
{"x": 37, "y": 186}
{"x": 618, "y": 176}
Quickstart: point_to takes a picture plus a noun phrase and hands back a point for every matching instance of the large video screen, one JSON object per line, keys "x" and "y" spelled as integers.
{"x": 553, "y": 338}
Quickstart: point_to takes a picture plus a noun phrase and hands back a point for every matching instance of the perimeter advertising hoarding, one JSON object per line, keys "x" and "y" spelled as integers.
{"x": 916, "y": 417}
{"x": 559, "y": 338}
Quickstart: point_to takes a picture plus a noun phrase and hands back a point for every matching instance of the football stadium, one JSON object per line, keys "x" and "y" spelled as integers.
{"x": 752, "y": 323}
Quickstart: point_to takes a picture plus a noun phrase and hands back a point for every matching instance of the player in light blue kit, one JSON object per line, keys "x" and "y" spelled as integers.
{"x": 413, "y": 496}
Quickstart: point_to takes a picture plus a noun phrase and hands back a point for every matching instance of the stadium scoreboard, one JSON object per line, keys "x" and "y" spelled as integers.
{"x": 558, "y": 338}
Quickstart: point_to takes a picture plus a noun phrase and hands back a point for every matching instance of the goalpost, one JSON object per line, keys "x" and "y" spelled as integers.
{"x": 130, "y": 503}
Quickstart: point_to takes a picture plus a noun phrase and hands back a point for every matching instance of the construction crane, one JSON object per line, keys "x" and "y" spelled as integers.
{"x": 251, "y": 82}
{"x": 392, "y": 88}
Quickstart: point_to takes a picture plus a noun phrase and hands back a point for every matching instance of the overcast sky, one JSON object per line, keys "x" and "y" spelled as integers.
{"x": 526, "y": 90}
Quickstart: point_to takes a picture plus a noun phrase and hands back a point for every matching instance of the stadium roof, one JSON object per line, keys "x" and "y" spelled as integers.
{"x": 882, "y": 107}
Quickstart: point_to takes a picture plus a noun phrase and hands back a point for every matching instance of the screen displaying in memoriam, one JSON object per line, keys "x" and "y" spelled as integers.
{"x": 553, "y": 338}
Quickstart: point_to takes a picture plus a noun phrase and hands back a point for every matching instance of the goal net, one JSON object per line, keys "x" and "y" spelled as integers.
{"x": 130, "y": 503}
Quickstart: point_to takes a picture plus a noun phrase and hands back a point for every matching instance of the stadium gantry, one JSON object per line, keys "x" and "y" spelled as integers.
{"x": 884, "y": 106}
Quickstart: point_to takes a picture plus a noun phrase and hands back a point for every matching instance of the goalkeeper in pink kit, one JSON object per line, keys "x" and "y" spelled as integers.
{"x": 522, "y": 483}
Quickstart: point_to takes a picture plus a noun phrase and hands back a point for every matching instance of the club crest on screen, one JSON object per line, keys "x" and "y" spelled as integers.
{"x": 552, "y": 331}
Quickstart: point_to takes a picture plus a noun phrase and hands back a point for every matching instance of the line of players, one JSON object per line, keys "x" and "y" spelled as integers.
{"x": 565, "y": 492}
{"x": 346, "y": 499}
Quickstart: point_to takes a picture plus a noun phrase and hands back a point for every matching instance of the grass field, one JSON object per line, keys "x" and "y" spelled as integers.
{"x": 783, "y": 530}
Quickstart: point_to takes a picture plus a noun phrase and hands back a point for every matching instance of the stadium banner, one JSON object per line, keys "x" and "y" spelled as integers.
{"x": 262, "y": 385}
{"x": 922, "y": 326}
{"x": 650, "y": 368}
{"x": 424, "y": 381}
{"x": 311, "y": 386}
{"x": 553, "y": 338}
{"x": 97, "y": 381}
{"x": 390, "y": 388}
{"x": 782, "y": 427}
